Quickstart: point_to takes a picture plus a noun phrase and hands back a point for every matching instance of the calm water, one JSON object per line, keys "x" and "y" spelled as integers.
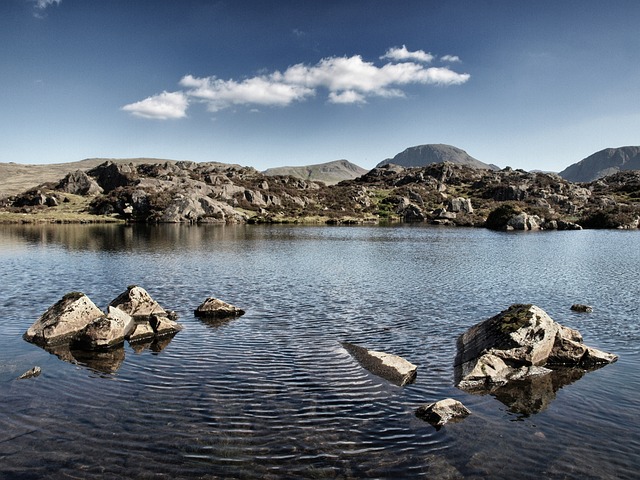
{"x": 274, "y": 395}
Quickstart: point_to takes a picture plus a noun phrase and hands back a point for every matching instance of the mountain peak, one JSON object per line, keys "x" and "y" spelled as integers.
{"x": 422, "y": 155}
{"x": 603, "y": 163}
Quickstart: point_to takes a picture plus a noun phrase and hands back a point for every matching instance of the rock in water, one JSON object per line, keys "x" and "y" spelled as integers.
{"x": 214, "y": 308}
{"x": 34, "y": 372}
{"x": 106, "y": 331}
{"x": 63, "y": 320}
{"x": 138, "y": 303}
{"x": 443, "y": 411}
{"x": 578, "y": 307}
{"x": 390, "y": 367}
{"x": 518, "y": 343}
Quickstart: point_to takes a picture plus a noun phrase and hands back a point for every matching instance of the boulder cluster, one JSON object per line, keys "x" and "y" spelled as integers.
{"x": 76, "y": 321}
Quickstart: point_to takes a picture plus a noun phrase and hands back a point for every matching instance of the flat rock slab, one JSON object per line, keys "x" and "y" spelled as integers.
{"x": 215, "y": 308}
{"x": 393, "y": 368}
{"x": 442, "y": 412}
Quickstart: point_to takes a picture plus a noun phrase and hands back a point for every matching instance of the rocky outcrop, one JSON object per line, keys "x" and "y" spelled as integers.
{"x": 63, "y": 320}
{"x": 79, "y": 183}
{"x": 390, "y": 367}
{"x": 443, "y": 411}
{"x": 518, "y": 343}
{"x": 215, "y": 308}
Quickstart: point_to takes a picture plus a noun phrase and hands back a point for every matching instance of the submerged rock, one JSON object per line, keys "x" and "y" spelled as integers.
{"x": 442, "y": 412}
{"x": 578, "y": 307}
{"x": 63, "y": 320}
{"x": 214, "y": 308}
{"x": 390, "y": 367}
{"x": 518, "y": 343}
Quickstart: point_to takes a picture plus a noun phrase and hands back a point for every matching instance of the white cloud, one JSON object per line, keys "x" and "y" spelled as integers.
{"x": 41, "y": 5}
{"x": 347, "y": 80}
{"x": 165, "y": 106}
{"x": 450, "y": 58}
{"x": 263, "y": 90}
{"x": 402, "y": 54}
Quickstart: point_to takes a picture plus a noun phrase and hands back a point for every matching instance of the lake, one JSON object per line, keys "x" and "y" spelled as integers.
{"x": 273, "y": 394}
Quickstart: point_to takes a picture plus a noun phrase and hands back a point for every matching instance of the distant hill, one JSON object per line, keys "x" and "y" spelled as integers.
{"x": 422, "y": 155}
{"x": 603, "y": 163}
{"x": 18, "y": 177}
{"x": 329, "y": 173}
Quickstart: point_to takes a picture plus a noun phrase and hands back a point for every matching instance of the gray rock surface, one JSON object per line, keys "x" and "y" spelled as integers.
{"x": 390, "y": 367}
{"x": 137, "y": 302}
{"x": 518, "y": 343}
{"x": 106, "y": 331}
{"x": 215, "y": 308}
{"x": 63, "y": 320}
{"x": 442, "y": 412}
{"x": 31, "y": 373}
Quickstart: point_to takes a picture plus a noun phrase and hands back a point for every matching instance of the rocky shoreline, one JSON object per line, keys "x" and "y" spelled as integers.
{"x": 438, "y": 194}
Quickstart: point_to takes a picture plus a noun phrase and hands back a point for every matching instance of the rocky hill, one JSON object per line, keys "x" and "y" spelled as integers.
{"x": 329, "y": 173}
{"x": 423, "y": 155}
{"x": 603, "y": 163}
{"x": 18, "y": 177}
{"x": 443, "y": 194}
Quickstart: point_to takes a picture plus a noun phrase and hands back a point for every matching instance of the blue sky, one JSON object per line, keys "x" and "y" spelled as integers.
{"x": 533, "y": 85}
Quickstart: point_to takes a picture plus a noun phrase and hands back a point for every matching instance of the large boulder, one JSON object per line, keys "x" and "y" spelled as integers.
{"x": 215, "y": 308}
{"x": 390, "y": 367}
{"x": 79, "y": 183}
{"x": 519, "y": 342}
{"x": 63, "y": 320}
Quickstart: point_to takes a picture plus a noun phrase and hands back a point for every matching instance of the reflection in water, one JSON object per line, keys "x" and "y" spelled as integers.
{"x": 534, "y": 394}
{"x": 102, "y": 361}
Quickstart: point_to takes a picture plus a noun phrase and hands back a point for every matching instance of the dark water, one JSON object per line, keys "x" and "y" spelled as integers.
{"x": 274, "y": 395}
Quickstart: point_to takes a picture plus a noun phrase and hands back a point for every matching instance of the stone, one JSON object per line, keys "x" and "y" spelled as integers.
{"x": 163, "y": 326}
{"x": 215, "y": 308}
{"x": 34, "y": 372}
{"x": 443, "y": 411}
{"x": 106, "y": 331}
{"x": 578, "y": 307}
{"x": 138, "y": 303}
{"x": 141, "y": 332}
{"x": 518, "y": 343}
{"x": 79, "y": 183}
{"x": 390, "y": 367}
{"x": 63, "y": 320}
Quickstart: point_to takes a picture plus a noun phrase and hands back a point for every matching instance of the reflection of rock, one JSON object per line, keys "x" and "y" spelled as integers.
{"x": 390, "y": 367}
{"x": 534, "y": 394}
{"x": 510, "y": 356}
{"x": 105, "y": 361}
{"x": 63, "y": 320}
{"x": 443, "y": 411}
{"x": 214, "y": 308}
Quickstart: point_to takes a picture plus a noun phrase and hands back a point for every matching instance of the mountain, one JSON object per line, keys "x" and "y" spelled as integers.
{"x": 603, "y": 163}
{"x": 329, "y": 173}
{"x": 422, "y": 155}
{"x": 17, "y": 177}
